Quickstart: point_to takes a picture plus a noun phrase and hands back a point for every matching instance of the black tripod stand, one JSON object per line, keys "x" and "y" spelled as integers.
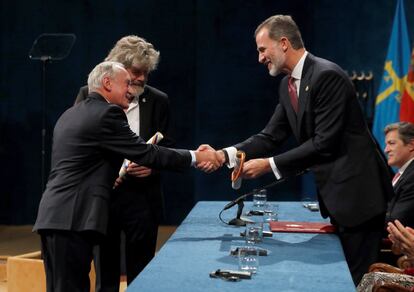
{"x": 46, "y": 48}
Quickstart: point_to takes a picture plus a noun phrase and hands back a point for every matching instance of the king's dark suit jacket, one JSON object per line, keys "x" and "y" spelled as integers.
{"x": 334, "y": 142}
{"x": 90, "y": 141}
{"x": 401, "y": 206}
{"x": 154, "y": 116}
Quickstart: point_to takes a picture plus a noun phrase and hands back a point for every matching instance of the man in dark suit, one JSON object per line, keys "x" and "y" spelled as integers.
{"x": 399, "y": 141}
{"x": 137, "y": 203}
{"x": 90, "y": 140}
{"x": 318, "y": 106}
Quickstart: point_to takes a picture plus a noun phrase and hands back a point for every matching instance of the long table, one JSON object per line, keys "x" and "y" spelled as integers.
{"x": 202, "y": 244}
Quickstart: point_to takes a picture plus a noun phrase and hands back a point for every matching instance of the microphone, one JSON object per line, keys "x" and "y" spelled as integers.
{"x": 239, "y": 201}
{"x": 236, "y": 201}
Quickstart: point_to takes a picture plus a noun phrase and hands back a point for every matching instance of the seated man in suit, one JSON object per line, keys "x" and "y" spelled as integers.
{"x": 90, "y": 141}
{"x": 136, "y": 206}
{"x": 399, "y": 139}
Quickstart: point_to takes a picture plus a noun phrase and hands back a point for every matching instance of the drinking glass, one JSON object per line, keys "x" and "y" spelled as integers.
{"x": 248, "y": 259}
{"x": 254, "y": 232}
{"x": 270, "y": 212}
{"x": 259, "y": 198}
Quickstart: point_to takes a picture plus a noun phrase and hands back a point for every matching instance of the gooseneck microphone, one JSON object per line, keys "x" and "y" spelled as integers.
{"x": 239, "y": 201}
{"x": 236, "y": 201}
{"x": 241, "y": 198}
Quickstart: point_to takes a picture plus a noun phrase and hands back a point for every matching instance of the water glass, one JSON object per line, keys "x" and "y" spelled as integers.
{"x": 259, "y": 198}
{"x": 254, "y": 232}
{"x": 270, "y": 212}
{"x": 248, "y": 259}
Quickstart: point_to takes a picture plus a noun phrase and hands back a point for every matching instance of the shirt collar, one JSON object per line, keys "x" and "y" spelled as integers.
{"x": 133, "y": 104}
{"x": 297, "y": 71}
{"x": 404, "y": 167}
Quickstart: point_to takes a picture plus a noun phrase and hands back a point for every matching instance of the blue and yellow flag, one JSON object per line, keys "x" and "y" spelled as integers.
{"x": 387, "y": 104}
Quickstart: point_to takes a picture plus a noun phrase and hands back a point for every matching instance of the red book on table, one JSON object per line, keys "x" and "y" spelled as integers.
{"x": 301, "y": 227}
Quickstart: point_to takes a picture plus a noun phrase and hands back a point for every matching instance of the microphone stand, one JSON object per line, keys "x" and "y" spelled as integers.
{"x": 238, "y": 221}
{"x": 239, "y": 201}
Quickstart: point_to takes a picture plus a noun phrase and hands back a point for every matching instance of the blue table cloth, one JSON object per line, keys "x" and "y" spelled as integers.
{"x": 202, "y": 244}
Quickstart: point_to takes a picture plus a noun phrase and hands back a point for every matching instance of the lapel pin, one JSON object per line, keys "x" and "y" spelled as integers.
{"x": 307, "y": 88}
{"x": 144, "y": 99}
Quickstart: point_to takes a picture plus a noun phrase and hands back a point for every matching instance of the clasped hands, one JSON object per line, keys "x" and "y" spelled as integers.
{"x": 252, "y": 169}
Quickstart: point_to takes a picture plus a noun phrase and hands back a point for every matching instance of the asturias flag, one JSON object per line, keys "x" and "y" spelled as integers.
{"x": 407, "y": 100}
{"x": 387, "y": 104}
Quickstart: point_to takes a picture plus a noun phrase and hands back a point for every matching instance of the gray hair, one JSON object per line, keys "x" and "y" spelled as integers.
{"x": 282, "y": 26}
{"x": 102, "y": 70}
{"x": 405, "y": 131}
{"x": 134, "y": 51}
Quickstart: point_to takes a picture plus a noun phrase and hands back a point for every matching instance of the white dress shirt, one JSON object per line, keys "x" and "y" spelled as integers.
{"x": 132, "y": 114}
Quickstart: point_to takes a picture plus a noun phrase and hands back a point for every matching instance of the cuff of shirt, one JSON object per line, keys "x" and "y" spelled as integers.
{"x": 193, "y": 158}
{"x": 274, "y": 168}
{"x": 231, "y": 151}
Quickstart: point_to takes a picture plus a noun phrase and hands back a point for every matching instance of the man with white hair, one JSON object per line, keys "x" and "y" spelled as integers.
{"x": 137, "y": 203}
{"x": 90, "y": 141}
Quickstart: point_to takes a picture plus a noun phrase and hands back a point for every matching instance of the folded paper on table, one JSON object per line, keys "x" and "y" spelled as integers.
{"x": 153, "y": 140}
{"x": 302, "y": 227}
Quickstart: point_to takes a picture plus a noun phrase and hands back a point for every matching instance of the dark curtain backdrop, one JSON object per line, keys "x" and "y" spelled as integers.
{"x": 219, "y": 93}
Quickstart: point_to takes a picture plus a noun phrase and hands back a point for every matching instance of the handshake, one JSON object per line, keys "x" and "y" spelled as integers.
{"x": 209, "y": 160}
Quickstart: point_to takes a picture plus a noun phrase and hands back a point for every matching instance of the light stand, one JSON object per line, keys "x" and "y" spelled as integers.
{"x": 46, "y": 48}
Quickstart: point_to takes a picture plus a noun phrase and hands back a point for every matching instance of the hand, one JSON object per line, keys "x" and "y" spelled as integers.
{"x": 207, "y": 160}
{"x": 137, "y": 170}
{"x": 207, "y": 166}
{"x": 221, "y": 157}
{"x": 205, "y": 147}
{"x": 117, "y": 182}
{"x": 255, "y": 168}
{"x": 401, "y": 237}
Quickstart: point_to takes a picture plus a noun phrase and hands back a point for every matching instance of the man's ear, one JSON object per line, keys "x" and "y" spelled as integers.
{"x": 284, "y": 42}
{"x": 107, "y": 83}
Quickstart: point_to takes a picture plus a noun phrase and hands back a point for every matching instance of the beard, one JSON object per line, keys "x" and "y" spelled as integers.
{"x": 276, "y": 66}
{"x": 138, "y": 90}
{"x": 277, "y": 61}
{"x": 134, "y": 93}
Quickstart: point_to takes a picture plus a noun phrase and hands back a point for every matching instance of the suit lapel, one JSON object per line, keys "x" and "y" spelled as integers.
{"x": 305, "y": 88}
{"x": 408, "y": 170}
